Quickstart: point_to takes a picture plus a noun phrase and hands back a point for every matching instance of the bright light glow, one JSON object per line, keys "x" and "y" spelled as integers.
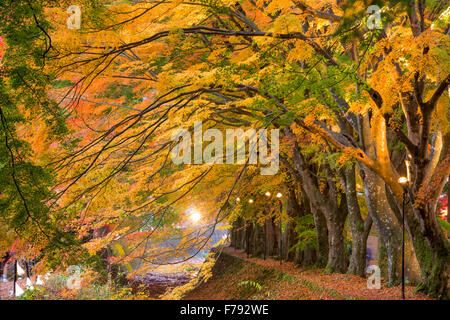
{"x": 268, "y": 194}
{"x": 238, "y": 199}
{"x": 407, "y": 169}
{"x": 250, "y": 201}
{"x": 195, "y": 216}
{"x": 279, "y": 195}
{"x": 403, "y": 180}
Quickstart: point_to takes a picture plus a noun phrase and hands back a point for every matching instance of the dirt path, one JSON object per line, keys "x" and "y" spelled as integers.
{"x": 288, "y": 281}
{"x": 6, "y": 288}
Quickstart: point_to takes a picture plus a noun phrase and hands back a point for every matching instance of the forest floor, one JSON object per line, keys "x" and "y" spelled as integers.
{"x": 237, "y": 277}
{"x": 7, "y": 287}
{"x": 234, "y": 276}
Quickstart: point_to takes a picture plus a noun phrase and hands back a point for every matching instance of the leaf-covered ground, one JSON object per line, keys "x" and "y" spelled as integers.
{"x": 236, "y": 277}
{"x": 7, "y": 287}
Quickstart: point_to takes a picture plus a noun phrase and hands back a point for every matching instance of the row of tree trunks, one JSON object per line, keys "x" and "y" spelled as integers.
{"x": 327, "y": 202}
{"x": 330, "y": 209}
{"x": 254, "y": 239}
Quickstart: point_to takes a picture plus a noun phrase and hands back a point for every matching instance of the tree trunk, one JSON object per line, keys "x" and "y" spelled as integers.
{"x": 240, "y": 234}
{"x": 335, "y": 220}
{"x": 385, "y": 222}
{"x": 272, "y": 236}
{"x": 359, "y": 228}
{"x": 358, "y": 258}
{"x": 234, "y": 235}
{"x": 322, "y": 237}
{"x": 308, "y": 255}
{"x": 336, "y": 255}
{"x": 412, "y": 264}
{"x": 258, "y": 241}
{"x": 435, "y": 272}
{"x": 293, "y": 211}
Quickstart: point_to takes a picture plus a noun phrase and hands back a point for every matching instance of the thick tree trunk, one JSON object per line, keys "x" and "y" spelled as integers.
{"x": 435, "y": 280}
{"x": 272, "y": 238}
{"x": 412, "y": 263}
{"x": 385, "y": 222}
{"x": 358, "y": 258}
{"x": 382, "y": 215}
{"x": 285, "y": 237}
{"x": 249, "y": 230}
{"x": 359, "y": 228}
{"x": 234, "y": 235}
{"x": 336, "y": 255}
{"x": 308, "y": 255}
{"x": 322, "y": 237}
{"x": 240, "y": 234}
{"x": 294, "y": 211}
{"x": 328, "y": 205}
{"x": 277, "y": 238}
{"x": 258, "y": 241}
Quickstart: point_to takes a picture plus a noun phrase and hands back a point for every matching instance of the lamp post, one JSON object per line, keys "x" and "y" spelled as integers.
{"x": 279, "y": 195}
{"x": 250, "y": 201}
{"x": 235, "y": 232}
{"x": 403, "y": 181}
{"x": 247, "y": 227}
{"x": 15, "y": 278}
{"x": 265, "y": 240}
{"x": 265, "y": 230}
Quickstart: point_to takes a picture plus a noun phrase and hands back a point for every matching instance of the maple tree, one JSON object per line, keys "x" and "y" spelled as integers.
{"x": 27, "y": 223}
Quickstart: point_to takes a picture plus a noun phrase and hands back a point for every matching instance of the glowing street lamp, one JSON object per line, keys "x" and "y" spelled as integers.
{"x": 250, "y": 201}
{"x": 238, "y": 199}
{"x": 279, "y": 195}
{"x": 403, "y": 180}
{"x": 267, "y": 194}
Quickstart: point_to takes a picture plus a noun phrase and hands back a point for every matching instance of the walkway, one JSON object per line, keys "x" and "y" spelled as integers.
{"x": 317, "y": 285}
